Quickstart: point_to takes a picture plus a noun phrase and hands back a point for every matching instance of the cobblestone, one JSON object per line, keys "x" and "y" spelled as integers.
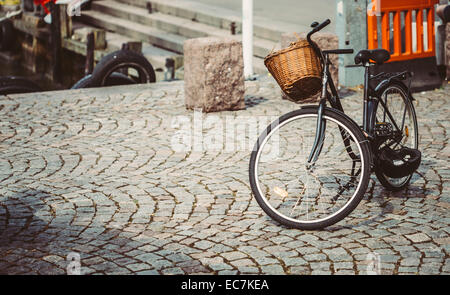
{"x": 94, "y": 172}
{"x": 418, "y": 238}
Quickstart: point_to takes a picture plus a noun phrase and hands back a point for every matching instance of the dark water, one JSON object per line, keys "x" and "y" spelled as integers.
{"x": 15, "y": 69}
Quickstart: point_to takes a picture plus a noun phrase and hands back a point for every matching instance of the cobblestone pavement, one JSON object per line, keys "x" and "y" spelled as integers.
{"x": 94, "y": 173}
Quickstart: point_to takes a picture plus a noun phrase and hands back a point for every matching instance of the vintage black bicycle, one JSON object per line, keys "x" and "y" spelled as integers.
{"x": 311, "y": 167}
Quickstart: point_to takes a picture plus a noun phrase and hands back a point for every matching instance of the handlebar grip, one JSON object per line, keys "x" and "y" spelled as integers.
{"x": 321, "y": 26}
{"x": 347, "y": 51}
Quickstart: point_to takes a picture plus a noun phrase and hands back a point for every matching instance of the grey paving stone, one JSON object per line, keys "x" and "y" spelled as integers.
{"x": 319, "y": 265}
{"x": 137, "y": 267}
{"x": 233, "y": 255}
{"x": 294, "y": 261}
{"x": 173, "y": 271}
{"x": 343, "y": 265}
{"x": 272, "y": 269}
{"x": 418, "y": 238}
{"x": 248, "y": 270}
{"x": 220, "y": 266}
{"x": 299, "y": 270}
{"x": 408, "y": 270}
{"x": 315, "y": 257}
{"x": 307, "y": 250}
{"x": 147, "y": 273}
{"x": 389, "y": 258}
{"x": 203, "y": 245}
{"x": 147, "y": 257}
{"x": 410, "y": 262}
{"x": 228, "y": 272}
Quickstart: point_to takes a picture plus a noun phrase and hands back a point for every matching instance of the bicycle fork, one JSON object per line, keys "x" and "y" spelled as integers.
{"x": 319, "y": 138}
{"x": 321, "y": 124}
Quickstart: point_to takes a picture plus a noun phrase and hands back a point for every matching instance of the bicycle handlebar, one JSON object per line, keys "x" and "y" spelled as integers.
{"x": 319, "y": 27}
{"x": 315, "y": 30}
{"x": 338, "y": 51}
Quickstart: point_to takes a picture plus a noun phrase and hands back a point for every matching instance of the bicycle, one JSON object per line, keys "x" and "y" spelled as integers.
{"x": 311, "y": 167}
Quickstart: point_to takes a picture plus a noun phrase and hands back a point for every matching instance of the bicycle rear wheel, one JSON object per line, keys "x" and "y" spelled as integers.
{"x": 293, "y": 194}
{"x": 402, "y": 110}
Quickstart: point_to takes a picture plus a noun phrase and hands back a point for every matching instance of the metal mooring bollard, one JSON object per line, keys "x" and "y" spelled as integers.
{"x": 149, "y": 7}
{"x": 169, "y": 73}
{"x": 233, "y": 28}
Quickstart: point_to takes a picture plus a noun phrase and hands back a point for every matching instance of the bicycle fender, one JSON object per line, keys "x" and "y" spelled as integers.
{"x": 381, "y": 87}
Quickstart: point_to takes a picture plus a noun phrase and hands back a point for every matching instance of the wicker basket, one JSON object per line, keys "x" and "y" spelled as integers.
{"x": 297, "y": 69}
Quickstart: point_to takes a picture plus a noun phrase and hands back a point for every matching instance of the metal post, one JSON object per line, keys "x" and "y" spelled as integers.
{"x": 56, "y": 42}
{"x": 247, "y": 36}
{"x": 90, "y": 50}
{"x": 169, "y": 73}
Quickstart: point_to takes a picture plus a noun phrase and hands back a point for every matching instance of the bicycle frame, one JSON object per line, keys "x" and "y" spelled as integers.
{"x": 371, "y": 101}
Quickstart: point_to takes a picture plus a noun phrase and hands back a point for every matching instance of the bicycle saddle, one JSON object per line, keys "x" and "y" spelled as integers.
{"x": 378, "y": 55}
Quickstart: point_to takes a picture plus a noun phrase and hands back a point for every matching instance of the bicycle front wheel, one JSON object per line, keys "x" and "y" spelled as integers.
{"x": 300, "y": 195}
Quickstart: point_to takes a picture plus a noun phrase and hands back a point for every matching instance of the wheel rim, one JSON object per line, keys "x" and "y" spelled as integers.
{"x": 392, "y": 96}
{"x": 306, "y": 202}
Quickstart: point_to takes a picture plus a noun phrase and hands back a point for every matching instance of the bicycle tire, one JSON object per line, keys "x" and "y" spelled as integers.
{"x": 364, "y": 148}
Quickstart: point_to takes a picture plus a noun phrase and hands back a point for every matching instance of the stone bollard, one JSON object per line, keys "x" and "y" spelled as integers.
{"x": 214, "y": 74}
{"x": 324, "y": 41}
